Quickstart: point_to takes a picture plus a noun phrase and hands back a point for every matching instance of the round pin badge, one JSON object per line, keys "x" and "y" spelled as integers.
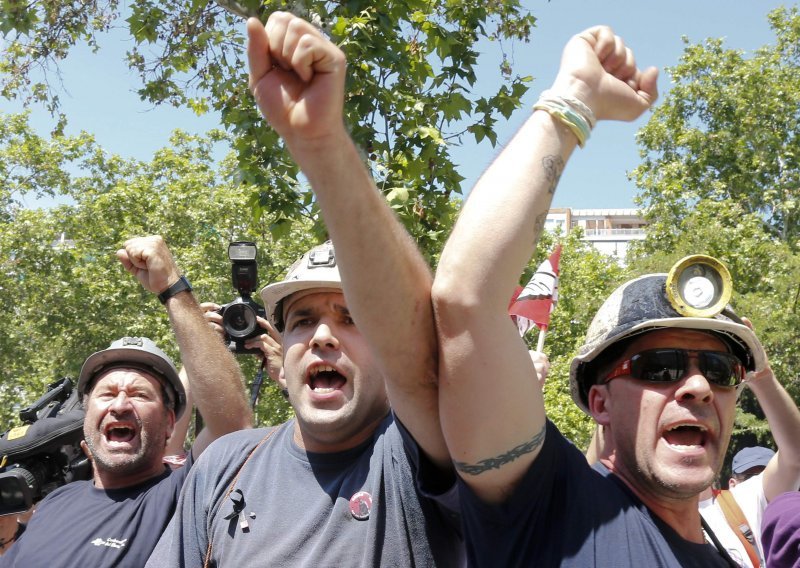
{"x": 361, "y": 505}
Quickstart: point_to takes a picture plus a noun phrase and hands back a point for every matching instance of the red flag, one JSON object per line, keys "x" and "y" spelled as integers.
{"x": 532, "y": 305}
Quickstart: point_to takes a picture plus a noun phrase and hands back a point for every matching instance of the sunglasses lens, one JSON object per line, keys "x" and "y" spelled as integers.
{"x": 721, "y": 369}
{"x": 659, "y": 365}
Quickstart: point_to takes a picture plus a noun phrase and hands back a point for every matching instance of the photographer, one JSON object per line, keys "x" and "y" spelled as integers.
{"x": 266, "y": 345}
{"x": 132, "y": 396}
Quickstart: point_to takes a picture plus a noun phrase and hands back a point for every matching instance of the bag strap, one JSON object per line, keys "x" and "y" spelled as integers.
{"x": 207, "y": 559}
{"x": 736, "y": 519}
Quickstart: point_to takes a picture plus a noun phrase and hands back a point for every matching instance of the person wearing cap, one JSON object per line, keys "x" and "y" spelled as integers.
{"x": 663, "y": 386}
{"x": 361, "y": 476}
{"x": 749, "y": 462}
{"x": 132, "y": 395}
{"x": 758, "y": 476}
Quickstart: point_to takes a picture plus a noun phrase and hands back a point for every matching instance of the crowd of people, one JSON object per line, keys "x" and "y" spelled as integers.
{"x": 420, "y": 435}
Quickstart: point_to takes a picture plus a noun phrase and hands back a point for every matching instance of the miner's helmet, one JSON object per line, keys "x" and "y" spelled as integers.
{"x": 643, "y": 305}
{"x": 315, "y": 269}
{"x": 136, "y": 353}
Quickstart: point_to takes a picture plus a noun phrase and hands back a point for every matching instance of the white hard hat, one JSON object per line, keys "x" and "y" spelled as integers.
{"x": 315, "y": 269}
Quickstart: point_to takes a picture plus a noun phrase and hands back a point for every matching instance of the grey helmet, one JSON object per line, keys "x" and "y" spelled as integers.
{"x": 135, "y": 353}
{"x": 641, "y": 305}
{"x": 315, "y": 269}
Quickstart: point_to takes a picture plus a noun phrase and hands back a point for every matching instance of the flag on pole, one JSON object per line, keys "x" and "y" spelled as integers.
{"x": 532, "y": 305}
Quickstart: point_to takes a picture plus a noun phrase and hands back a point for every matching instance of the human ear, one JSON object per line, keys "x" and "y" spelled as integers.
{"x": 599, "y": 403}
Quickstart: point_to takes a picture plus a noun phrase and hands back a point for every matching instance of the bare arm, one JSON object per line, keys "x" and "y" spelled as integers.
{"x": 386, "y": 281}
{"x": 214, "y": 376}
{"x": 494, "y": 436}
{"x": 175, "y": 445}
{"x": 782, "y": 474}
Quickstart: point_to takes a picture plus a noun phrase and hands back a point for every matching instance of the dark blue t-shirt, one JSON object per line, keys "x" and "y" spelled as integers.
{"x": 566, "y": 513}
{"x": 82, "y": 526}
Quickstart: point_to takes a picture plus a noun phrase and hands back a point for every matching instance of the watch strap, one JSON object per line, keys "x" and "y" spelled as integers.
{"x": 181, "y": 285}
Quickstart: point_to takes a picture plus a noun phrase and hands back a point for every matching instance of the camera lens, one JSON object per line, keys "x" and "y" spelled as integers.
{"x": 239, "y": 320}
{"x": 18, "y": 487}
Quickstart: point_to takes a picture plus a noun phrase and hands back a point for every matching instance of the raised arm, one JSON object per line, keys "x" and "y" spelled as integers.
{"x": 297, "y": 77}
{"x": 175, "y": 444}
{"x": 491, "y": 405}
{"x": 782, "y": 473}
{"x": 214, "y": 376}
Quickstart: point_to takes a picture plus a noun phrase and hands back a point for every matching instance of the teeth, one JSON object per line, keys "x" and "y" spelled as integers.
{"x": 321, "y": 368}
{"x": 323, "y": 391}
{"x": 698, "y": 426}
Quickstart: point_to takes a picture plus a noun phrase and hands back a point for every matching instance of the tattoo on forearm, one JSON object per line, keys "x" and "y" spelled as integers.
{"x": 499, "y": 461}
{"x": 553, "y": 167}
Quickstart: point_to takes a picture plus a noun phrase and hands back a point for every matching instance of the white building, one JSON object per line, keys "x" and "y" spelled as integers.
{"x": 609, "y": 230}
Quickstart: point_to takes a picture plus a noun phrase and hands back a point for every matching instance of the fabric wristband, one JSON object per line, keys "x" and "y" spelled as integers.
{"x": 180, "y": 286}
{"x": 570, "y": 112}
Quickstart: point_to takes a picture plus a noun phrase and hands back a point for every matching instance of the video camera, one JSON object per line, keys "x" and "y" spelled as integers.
{"x": 239, "y": 316}
{"x": 44, "y": 453}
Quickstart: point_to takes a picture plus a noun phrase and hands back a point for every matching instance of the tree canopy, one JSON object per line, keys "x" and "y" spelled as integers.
{"x": 411, "y": 92}
{"x": 727, "y": 131}
{"x": 64, "y": 293}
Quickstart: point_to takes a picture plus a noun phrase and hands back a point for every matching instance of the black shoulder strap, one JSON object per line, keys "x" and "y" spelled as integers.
{"x": 267, "y": 437}
{"x": 718, "y": 545}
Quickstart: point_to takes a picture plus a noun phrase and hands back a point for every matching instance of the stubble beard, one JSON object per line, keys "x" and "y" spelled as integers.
{"x": 123, "y": 463}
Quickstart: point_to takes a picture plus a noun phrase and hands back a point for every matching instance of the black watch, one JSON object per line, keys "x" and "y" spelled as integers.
{"x": 180, "y": 286}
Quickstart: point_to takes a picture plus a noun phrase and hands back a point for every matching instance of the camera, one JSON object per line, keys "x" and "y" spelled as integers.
{"x": 44, "y": 453}
{"x": 239, "y": 316}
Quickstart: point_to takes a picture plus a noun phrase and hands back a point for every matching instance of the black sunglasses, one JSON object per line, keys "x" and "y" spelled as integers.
{"x": 670, "y": 365}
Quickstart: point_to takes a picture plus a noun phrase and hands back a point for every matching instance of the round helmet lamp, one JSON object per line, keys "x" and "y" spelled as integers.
{"x": 699, "y": 286}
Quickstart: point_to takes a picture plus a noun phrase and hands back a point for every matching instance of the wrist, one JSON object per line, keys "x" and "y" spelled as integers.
{"x": 322, "y": 147}
{"x": 180, "y": 285}
{"x": 570, "y": 111}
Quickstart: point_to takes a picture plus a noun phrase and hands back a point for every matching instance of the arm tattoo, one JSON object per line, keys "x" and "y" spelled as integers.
{"x": 499, "y": 461}
{"x": 553, "y": 167}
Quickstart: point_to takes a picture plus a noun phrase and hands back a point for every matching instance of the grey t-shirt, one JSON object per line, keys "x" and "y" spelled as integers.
{"x": 367, "y": 506}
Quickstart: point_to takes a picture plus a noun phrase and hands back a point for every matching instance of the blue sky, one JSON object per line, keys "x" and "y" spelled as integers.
{"x": 99, "y": 92}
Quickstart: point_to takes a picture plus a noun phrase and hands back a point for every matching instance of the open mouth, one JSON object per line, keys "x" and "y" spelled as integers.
{"x": 119, "y": 433}
{"x": 324, "y": 379}
{"x": 686, "y": 436}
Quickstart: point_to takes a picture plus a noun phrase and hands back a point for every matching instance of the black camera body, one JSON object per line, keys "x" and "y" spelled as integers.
{"x": 239, "y": 316}
{"x": 44, "y": 453}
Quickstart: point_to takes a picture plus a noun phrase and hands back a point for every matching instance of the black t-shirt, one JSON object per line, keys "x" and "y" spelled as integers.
{"x": 568, "y": 514}
{"x": 82, "y": 526}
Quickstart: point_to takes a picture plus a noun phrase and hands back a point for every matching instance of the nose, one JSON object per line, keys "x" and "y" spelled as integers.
{"x": 324, "y": 337}
{"x": 694, "y": 385}
{"x": 120, "y": 404}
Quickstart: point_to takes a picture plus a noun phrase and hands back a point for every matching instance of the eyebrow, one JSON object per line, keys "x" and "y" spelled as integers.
{"x": 310, "y": 311}
{"x": 341, "y": 309}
